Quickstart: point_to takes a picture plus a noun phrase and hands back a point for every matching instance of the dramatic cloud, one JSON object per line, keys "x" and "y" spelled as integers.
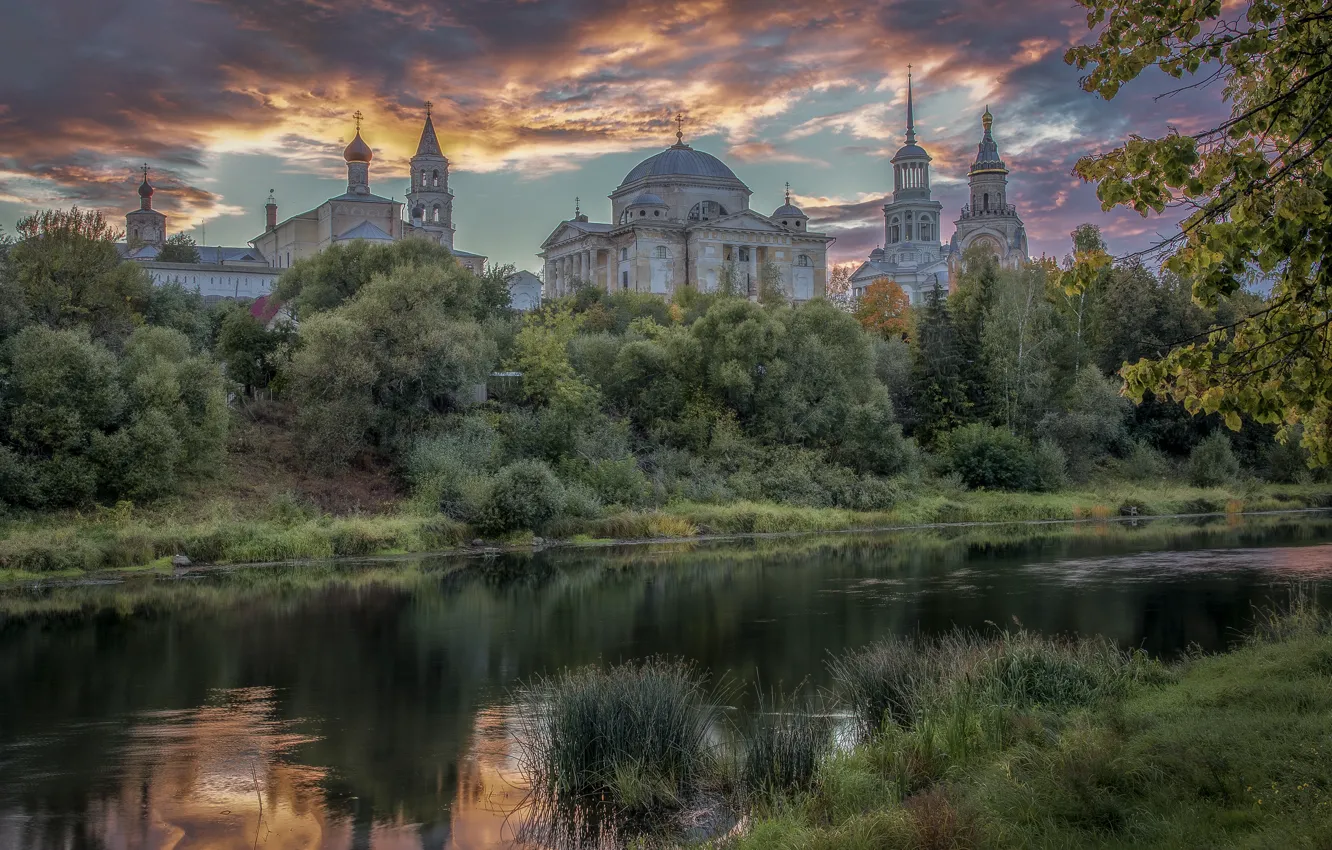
{"x": 526, "y": 90}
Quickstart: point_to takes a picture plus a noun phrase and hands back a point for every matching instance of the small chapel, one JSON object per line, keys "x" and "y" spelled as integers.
{"x": 681, "y": 218}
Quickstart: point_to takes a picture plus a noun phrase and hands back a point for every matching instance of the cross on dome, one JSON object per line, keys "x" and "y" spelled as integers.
{"x": 679, "y": 130}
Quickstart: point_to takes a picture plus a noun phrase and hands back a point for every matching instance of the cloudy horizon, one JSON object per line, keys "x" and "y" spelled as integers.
{"x": 537, "y": 103}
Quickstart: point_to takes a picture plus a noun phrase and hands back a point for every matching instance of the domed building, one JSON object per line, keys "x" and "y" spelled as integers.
{"x": 360, "y": 214}
{"x": 682, "y": 218}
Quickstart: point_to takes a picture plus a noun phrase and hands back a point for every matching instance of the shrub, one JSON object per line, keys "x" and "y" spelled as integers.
{"x": 523, "y": 497}
{"x": 989, "y": 457}
{"x": 635, "y": 735}
{"x": 1144, "y": 463}
{"x": 1212, "y": 462}
{"x": 1049, "y": 466}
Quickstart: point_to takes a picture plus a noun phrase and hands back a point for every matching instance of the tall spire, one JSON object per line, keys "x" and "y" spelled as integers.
{"x": 429, "y": 144}
{"x": 911, "y": 117}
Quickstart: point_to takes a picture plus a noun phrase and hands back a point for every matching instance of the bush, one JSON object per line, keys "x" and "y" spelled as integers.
{"x": 524, "y": 496}
{"x": 1212, "y": 462}
{"x": 1049, "y": 466}
{"x": 988, "y": 457}
{"x": 1144, "y": 463}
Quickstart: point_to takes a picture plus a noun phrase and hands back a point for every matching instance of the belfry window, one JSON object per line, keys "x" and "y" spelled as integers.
{"x": 894, "y": 230}
{"x": 926, "y": 230}
{"x": 434, "y": 178}
{"x": 987, "y": 201}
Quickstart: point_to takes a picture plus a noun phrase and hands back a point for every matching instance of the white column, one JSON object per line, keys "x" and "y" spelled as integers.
{"x": 588, "y": 274}
{"x": 753, "y": 267}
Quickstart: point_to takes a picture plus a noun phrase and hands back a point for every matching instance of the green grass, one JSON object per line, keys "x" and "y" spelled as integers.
{"x": 1042, "y": 745}
{"x": 220, "y": 532}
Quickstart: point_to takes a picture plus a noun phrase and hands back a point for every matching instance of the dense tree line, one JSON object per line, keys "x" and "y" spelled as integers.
{"x": 112, "y": 388}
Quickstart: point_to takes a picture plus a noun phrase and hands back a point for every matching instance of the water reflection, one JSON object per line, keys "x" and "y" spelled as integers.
{"x": 366, "y": 706}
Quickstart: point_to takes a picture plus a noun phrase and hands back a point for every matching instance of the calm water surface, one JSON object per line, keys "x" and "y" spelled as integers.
{"x": 367, "y": 705}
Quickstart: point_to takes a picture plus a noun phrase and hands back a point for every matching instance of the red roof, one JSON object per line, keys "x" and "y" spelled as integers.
{"x": 264, "y": 308}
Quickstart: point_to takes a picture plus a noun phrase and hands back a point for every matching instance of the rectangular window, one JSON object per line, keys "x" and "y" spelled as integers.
{"x": 624, "y": 280}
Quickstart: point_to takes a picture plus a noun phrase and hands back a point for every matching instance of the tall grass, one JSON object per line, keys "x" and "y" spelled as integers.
{"x": 783, "y": 746}
{"x": 635, "y": 735}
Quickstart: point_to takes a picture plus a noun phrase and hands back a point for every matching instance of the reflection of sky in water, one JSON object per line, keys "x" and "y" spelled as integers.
{"x": 357, "y": 683}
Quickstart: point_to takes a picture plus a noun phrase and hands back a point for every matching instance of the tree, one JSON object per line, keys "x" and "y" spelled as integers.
{"x": 541, "y": 353}
{"x": 333, "y": 276}
{"x": 839, "y": 283}
{"x": 884, "y": 309}
{"x": 179, "y": 249}
{"x": 1018, "y": 339}
{"x": 68, "y": 273}
{"x": 78, "y": 424}
{"x": 771, "y": 290}
{"x": 379, "y": 368}
{"x": 253, "y": 353}
{"x": 1258, "y": 188}
{"x": 940, "y": 389}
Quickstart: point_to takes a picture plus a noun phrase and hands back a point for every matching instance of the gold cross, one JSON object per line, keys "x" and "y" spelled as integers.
{"x": 358, "y": 116}
{"x": 428, "y": 105}
{"x": 679, "y": 128}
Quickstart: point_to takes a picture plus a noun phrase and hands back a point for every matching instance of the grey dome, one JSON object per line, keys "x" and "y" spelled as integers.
{"x": 647, "y": 199}
{"x": 787, "y": 210}
{"x": 680, "y": 160}
{"x": 910, "y": 151}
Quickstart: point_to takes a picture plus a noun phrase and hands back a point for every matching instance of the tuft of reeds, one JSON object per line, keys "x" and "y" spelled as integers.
{"x": 783, "y": 746}
{"x": 886, "y": 682}
{"x": 636, "y": 736}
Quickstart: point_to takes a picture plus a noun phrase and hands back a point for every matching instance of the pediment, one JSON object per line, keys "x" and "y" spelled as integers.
{"x": 743, "y": 220}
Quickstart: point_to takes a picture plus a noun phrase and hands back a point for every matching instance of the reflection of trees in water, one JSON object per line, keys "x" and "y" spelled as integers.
{"x": 392, "y": 664}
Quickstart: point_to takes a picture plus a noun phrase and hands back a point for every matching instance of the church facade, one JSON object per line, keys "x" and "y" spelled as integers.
{"x": 913, "y": 254}
{"x": 358, "y": 213}
{"x": 681, "y": 218}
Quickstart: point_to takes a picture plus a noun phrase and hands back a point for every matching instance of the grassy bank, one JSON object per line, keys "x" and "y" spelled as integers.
{"x": 222, "y": 531}
{"x": 1223, "y": 751}
{"x": 1003, "y": 740}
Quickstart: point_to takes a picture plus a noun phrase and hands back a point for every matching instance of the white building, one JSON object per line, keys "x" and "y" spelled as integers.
{"x": 524, "y": 291}
{"x": 682, "y": 218}
{"x": 220, "y": 273}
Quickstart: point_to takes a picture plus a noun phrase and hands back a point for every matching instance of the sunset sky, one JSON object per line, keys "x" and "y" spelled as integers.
{"x": 539, "y": 101}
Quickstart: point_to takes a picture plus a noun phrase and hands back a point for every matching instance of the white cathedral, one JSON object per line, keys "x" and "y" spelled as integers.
{"x": 913, "y": 254}
{"x": 682, "y": 218}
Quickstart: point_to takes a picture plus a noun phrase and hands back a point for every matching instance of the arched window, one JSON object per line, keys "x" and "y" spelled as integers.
{"x": 624, "y": 216}
{"x": 897, "y": 176}
{"x": 434, "y": 214}
{"x": 704, "y": 210}
{"x": 803, "y": 261}
{"x": 624, "y": 253}
{"x": 894, "y": 230}
{"x": 661, "y": 253}
{"x": 926, "y": 230}
{"x": 987, "y": 201}
{"x": 434, "y": 178}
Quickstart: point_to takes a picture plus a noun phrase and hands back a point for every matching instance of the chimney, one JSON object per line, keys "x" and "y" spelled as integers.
{"x": 270, "y": 212}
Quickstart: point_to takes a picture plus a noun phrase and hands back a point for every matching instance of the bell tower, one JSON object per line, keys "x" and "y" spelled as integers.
{"x": 430, "y": 203}
{"x": 146, "y": 225}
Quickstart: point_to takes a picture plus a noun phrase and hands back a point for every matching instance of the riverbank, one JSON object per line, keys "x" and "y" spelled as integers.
{"x": 1221, "y": 751}
{"x": 223, "y": 531}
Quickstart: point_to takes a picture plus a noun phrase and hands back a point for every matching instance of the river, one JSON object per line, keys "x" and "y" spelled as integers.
{"x": 367, "y": 704}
